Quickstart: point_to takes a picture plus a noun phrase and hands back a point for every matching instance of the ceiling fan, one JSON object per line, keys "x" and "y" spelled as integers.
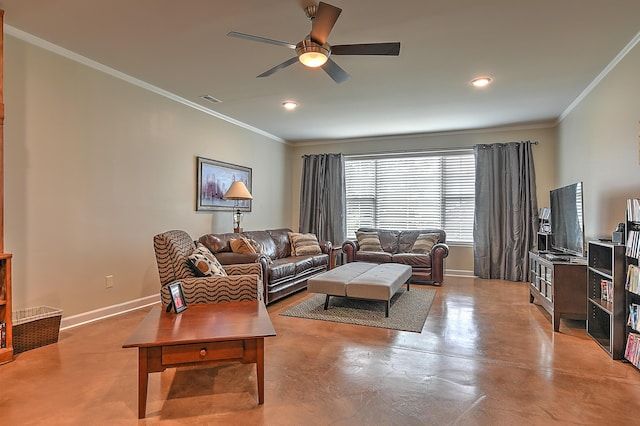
{"x": 314, "y": 51}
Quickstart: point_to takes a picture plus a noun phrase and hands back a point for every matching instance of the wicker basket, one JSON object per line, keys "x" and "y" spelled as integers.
{"x": 35, "y": 327}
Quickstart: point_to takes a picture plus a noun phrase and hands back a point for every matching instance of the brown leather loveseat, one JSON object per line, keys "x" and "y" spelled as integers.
{"x": 399, "y": 247}
{"x": 282, "y": 273}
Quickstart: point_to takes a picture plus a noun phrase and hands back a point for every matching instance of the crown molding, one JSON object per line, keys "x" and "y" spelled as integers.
{"x": 36, "y": 41}
{"x": 614, "y": 62}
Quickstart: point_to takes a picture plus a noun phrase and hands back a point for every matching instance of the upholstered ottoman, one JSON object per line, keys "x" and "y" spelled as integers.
{"x": 362, "y": 280}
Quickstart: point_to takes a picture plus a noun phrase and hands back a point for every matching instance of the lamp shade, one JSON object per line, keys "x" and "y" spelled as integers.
{"x": 237, "y": 191}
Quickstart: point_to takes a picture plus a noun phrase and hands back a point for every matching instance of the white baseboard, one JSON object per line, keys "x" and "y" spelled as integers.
{"x": 458, "y": 273}
{"x": 108, "y": 311}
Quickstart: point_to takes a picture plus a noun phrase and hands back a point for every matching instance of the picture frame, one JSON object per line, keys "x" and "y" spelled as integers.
{"x": 178, "y": 302}
{"x": 214, "y": 179}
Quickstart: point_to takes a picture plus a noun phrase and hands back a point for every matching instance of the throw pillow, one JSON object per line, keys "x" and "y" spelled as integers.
{"x": 424, "y": 243}
{"x": 368, "y": 241}
{"x": 242, "y": 246}
{"x": 204, "y": 263}
{"x": 304, "y": 244}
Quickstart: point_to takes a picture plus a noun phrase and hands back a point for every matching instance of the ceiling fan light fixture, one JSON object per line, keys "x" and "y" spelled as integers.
{"x": 289, "y": 105}
{"x": 312, "y": 54}
{"x": 481, "y": 81}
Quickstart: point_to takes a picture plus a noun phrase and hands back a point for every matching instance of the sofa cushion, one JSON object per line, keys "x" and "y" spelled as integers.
{"x": 243, "y": 245}
{"x": 407, "y": 238}
{"x": 303, "y": 263}
{"x": 388, "y": 238}
{"x": 205, "y": 263}
{"x": 217, "y": 243}
{"x": 264, "y": 241}
{"x": 415, "y": 260}
{"x": 304, "y": 244}
{"x": 281, "y": 268}
{"x": 319, "y": 260}
{"x": 424, "y": 243}
{"x": 281, "y": 241}
{"x": 373, "y": 256}
{"x": 368, "y": 241}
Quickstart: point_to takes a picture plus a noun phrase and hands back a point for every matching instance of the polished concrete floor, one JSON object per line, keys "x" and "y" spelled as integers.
{"x": 485, "y": 357}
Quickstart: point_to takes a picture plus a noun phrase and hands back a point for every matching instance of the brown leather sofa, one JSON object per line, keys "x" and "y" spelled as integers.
{"x": 282, "y": 273}
{"x": 396, "y": 246}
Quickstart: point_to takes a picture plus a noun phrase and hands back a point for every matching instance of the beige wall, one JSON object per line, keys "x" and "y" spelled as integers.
{"x": 460, "y": 258}
{"x": 95, "y": 166}
{"x": 599, "y": 144}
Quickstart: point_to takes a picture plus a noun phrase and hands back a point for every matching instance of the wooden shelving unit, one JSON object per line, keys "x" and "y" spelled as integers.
{"x": 6, "y": 353}
{"x": 559, "y": 287}
{"x": 632, "y": 293}
{"x": 606, "y": 299}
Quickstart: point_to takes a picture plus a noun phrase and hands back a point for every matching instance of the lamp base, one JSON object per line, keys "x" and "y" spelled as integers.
{"x": 237, "y": 230}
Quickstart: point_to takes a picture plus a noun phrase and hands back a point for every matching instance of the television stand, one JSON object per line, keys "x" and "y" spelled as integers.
{"x": 559, "y": 286}
{"x": 557, "y": 257}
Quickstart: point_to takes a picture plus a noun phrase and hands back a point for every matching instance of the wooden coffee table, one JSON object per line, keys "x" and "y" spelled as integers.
{"x": 199, "y": 335}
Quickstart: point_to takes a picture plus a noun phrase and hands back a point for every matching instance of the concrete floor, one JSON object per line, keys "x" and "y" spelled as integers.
{"x": 485, "y": 357}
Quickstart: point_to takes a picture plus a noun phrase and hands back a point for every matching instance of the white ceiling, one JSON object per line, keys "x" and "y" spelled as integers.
{"x": 541, "y": 54}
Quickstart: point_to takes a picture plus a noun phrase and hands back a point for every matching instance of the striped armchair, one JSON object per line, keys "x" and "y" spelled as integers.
{"x": 172, "y": 248}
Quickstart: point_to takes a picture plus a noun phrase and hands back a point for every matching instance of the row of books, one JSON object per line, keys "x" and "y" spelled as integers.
{"x": 3, "y": 334}
{"x": 633, "y": 279}
{"x": 606, "y": 290}
{"x": 545, "y": 213}
{"x": 632, "y": 351}
{"x": 633, "y": 210}
{"x": 633, "y": 244}
{"x": 633, "y": 316}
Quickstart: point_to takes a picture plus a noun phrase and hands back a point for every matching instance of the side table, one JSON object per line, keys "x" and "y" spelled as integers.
{"x": 335, "y": 257}
{"x": 209, "y": 333}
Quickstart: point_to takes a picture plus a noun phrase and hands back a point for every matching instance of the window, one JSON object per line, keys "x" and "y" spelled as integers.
{"x": 409, "y": 191}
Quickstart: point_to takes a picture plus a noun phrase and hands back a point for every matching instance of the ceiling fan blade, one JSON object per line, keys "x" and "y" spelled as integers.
{"x": 261, "y": 39}
{"x": 322, "y": 24}
{"x": 391, "y": 49}
{"x": 285, "y": 64}
{"x": 335, "y": 72}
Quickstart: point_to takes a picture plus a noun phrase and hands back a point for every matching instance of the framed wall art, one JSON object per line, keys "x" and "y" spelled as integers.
{"x": 214, "y": 179}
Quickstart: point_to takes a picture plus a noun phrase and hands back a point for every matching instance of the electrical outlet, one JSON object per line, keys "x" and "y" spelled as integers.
{"x": 108, "y": 281}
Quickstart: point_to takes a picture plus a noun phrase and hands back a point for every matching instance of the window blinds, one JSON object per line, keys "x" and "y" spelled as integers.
{"x": 412, "y": 191}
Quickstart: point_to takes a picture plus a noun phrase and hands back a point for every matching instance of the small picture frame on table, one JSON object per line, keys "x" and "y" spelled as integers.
{"x": 178, "y": 303}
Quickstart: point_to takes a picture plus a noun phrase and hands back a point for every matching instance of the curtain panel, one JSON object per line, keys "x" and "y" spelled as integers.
{"x": 323, "y": 197}
{"x": 506, "y": 210}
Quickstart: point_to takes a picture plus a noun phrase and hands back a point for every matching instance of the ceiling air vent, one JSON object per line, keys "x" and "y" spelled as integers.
{"x": 211, "y": 99}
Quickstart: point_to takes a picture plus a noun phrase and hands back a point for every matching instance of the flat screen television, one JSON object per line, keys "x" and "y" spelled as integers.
{"x": 567, "y": 220}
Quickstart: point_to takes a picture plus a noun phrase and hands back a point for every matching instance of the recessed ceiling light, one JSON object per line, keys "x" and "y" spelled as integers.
{"x": 481, "y": 81}
{"x": 289, "y": 105}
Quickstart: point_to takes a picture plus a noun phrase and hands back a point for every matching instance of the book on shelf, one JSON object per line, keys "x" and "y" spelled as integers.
{"x": 606, "y": 290}
{"x": 632, "y": 350}
{"x": 633, "y": 244}
{"x": 633, "y": 210}
{"x": 633, "y": 316}
{"x": 3, "y": 334}
{"x": 545, "y": 213}
{"x": 633, "y": 279}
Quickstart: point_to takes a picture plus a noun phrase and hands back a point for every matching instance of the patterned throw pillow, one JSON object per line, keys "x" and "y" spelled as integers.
{"x": 369, "y": 241}
{"x": 424, "y": 243}
{"x": 204, "y": 263}
{"x": 243, "y": 246}
{"x": 304, "y": 244}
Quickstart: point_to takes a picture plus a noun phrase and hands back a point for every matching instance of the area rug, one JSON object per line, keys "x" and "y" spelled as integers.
{"x": 408, "y": 311}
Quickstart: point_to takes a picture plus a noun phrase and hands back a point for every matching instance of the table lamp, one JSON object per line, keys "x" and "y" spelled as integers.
{"x": 237, "y": 191}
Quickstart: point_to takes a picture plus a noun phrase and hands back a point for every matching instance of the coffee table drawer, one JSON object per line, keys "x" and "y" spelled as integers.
{"x": 200, "y": 352}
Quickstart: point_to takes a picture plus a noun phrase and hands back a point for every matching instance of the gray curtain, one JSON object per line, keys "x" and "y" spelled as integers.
{"x": 323, "y": 197}
{"x": 506, "y": 210}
